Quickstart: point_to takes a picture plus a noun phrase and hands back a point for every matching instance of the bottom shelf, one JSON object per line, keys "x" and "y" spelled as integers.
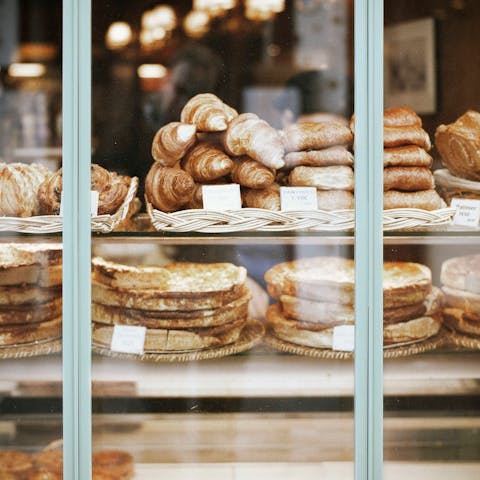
{"x": 305, "y": 471}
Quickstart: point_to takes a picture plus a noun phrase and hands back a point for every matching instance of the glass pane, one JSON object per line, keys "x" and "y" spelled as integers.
{"x": 212, "y": 394}
{"x": 431, "y": 408}
{"x": 30, "y": 265}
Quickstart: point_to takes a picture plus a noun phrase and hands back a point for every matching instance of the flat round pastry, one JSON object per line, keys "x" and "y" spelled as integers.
{"x": 159, "y": 319}
{"x": 171, "y": 340}
{"x": 325, "y": 279}
{"x": 112, "y": 462}
{"x": 414, "y": 330}
{"x": 49, "y": 460}
{"x": 320, "y": 158}
{"x": 458, "y": 320}
{"x": 13, "y": 462}
{"x": 466, "y": 301}
{"x": 24, "y": 314}
{"x": 462, "y": 273}
{"x": 424, "y": 200}
{"x": 312, "y": 311}
{"x": 160, "y": 301}
{"x": 331, "y": 200}
{"x": 31, "y": 275}
{"x": 337, "y": 177}
{"x": 34, "y": 332}
{"x": 14, "y": 255}
{"x": 30, "y": 295}
{"x": 407, "y": 156}
{"x": 409, "y": 179}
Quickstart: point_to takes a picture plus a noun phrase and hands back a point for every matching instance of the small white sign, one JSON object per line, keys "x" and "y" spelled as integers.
{"x": 221, "y": 197}
{"x": 128, "y": 339}
{"x": 94, "y": 195}
{"x": 298, "y": 198}
{"x": 344, "y": 338}
{"x": 468, "y": 212}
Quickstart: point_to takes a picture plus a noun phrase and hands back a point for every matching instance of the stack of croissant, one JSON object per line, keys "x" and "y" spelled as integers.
{"x": 407, "y": 180}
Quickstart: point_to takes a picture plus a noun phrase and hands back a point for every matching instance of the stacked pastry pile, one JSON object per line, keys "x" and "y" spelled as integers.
{"x": 48, "y": 465}
{"x": 30, "y": 293}
{"x": 315, "y": 295}
{"x": 317, "y": 155}
{"x": 184, "y": 306}
{"x": 459, "y": 147}
{"x": 408, "y": 181}
{"x": 460, "y": 277}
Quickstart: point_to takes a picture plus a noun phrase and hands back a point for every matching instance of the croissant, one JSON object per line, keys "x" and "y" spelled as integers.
{"x": 205, "y": 162}
{"x": 208, "y": 113}
{"x": 316, "y": 136}
{"x": 408, "y": 156}
{"x": 424, "y": 200}
{"x": 249, "y": 135}
{"x": 396, "y": 117}
{"x": 268, "y": 198}
{"x": 409, "y": 135}
{"x": 172, "y": 142}
{"x": 168, "y": 189}
{"x": 19, "y": 184}
{"x": 323, "y": 178}
{"x": 319, "y": 158}
{"x": 252, "y": 174}
{"x": 410, "y": 179}
{"x": 111, "y": 187}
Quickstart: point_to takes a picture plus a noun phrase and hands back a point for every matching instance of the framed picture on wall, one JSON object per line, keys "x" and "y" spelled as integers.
{"x": 410, "y": 65}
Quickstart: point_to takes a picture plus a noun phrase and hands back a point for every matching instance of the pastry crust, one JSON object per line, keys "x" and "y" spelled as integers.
{"x": 407, "y": 156}
{"x": 172, "y": 142}
{"x": 316, "y": 136}
{"x": 168, "y": 189}
{"x": 414, "y": 330}
{"x": 409, "y": 179}
{"x": 15, "y": 463}
{"x": 25, "y": 314}
{"x": 267, "y": 198}
{"x": 205, "y": 163}
{"x": 320, "y": 158}
{"x": 113, "y": 462}
{"x": 34, "y": 332}
{"x": 459, "y": 145}
{"x": 208, "y": 113}
{"x": 396, "y": 117}
{"x": 104, "y": 314}
{"x": 251, "y": 174}
{"x": 331, "y": 200}
{"x": 461, "y": 321}
{"x": 249, "y": 135}
{"x": 323, "y": 178}
{"x": 49, "y": 460}
{"x": 19, "y": 184}
{"x": 463, "y": 300}
{"x": 424, "y": 200}
{"x": 31, "y": 295}
{"x": 462, "y": 273}
{"x": 410, "y": 135}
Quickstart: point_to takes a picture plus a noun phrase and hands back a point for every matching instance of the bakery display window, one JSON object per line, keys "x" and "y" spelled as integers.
{"x": 206, "y": 267}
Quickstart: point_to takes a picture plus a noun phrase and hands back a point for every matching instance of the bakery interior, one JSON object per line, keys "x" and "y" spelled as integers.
{"x": 258, "y": 412}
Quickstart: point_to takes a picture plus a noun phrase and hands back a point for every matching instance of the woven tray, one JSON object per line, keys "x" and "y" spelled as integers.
{"x": 462, "y": 341}
{"x": 247, "y": 219}
{"x": 46, "y": 347}
{"x": 401, "y": 350}
{"x": 250, "y": 336}
{"x": 44, "y": 224}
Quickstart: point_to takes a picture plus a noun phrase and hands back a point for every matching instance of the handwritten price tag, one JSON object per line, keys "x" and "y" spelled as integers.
{"x": 128, "y": 339}
{"x": 221, "y": 197}
{"x": 468, "y": 212}
{"x": 344, "y": 338}
{"x": 298, "y": 198}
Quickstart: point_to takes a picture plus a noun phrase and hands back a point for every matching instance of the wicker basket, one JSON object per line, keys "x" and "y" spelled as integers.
{"x": 247, "y": 219}
{"x": 45, "y": 224}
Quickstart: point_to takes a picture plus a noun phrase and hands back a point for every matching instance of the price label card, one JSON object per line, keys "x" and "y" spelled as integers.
{"x": 128, "y": 339}
{"x": 298, "y": 198}
{"x": 468, "y": 212}
{"x": 344, "y": 338}
{"x": 93, "y": 203}
{"x": 221, "y": 197}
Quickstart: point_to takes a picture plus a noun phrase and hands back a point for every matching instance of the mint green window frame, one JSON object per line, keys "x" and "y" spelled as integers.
{"x": 368, "y": 403}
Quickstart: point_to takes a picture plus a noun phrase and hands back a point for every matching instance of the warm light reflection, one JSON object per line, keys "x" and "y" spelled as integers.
{"x": 196, "y": 23}
{"x": 26, "y": 70}
{"x": 165, "y": 17}
{"x": 214, "y": 7}
{"x": 119, "y": 35}
{"x": 152, "y": 70}
{"x": 263, "y": 9}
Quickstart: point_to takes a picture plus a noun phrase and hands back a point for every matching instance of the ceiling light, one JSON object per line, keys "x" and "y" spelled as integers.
{"x": 214, "y": 7}
{"x": 152, "y": 70}
{"x": 119, "y": 35}
{"x": 165, "y": 17}
{"x": 196, "y": 23}
{"x": 26, "y": 70}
